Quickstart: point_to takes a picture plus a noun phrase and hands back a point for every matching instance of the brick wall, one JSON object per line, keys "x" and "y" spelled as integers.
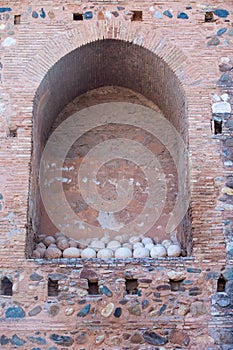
{"x": 46, "y": 62}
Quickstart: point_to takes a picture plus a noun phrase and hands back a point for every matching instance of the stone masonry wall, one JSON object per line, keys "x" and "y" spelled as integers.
{"x": 179, "y": 56}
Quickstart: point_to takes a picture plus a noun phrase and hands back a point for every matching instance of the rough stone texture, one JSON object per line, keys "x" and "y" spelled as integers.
{"x": 169, "y": 58}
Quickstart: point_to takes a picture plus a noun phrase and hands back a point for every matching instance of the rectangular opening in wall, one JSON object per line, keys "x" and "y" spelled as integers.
{"x": 137, "y": 16}
{"x": 216, "y": 125}
{"x": 131, "y": 286}
{"x": 77, "y": 17}
{"x": 17, "y": 19}
{"x": 6, "y": 286}
{"x": 209, "y": 16}
{"x": 221, "y": 285}
{"x": 176, "y": 286}
{"x": 52, "y": 288}
{"x": 93, "y": 288}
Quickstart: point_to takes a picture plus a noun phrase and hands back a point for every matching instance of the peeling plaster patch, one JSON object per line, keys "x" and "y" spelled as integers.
{"x": 221, "y": 107}
{"x": 107, "y": 220}
{"x": 9, "y": 42}
{"x": 2, "y": 26}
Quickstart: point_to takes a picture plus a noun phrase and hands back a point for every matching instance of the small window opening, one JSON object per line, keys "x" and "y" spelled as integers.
{"x": 137, "y": 16}
{"x": 12, "y": 132}
{"x": 17, "y": 19}
{"x": 131, "y": 286}
{"x": 6, "y": 286}
{"x": 221, "y": 284}
{"x": 52, "y": 288}
{"x": 176, "y": 286}
{"x": 209, "y": 16}
{"x": 93, "y": 288}
{"x": 217, "y": 127}
{"x": 77, "y": 17}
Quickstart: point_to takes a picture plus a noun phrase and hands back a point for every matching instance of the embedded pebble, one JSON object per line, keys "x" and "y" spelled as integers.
{"x": 88, "y": 253}
{"x": 106, "y": 312}
{"x": 174, "y": 250}
{"x": 53, "y": 253}
{"x": 69, "y": 311}
{"x": 141, "y": 253}
{"x": 158, "y": 251}
{"x": 72, "y": 252}
{"x": 123, "y": 253}
{"x": 147, "y": 240}
{"x": 97, "y": 245}
{"x": 114, "y": 245}
{"x": 48, "y": 240}
{"x": 105, "y": 253}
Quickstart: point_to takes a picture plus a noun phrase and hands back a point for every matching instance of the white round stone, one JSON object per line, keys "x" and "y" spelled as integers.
{"x": 88, "y": 253}
{"x": 147, "y": 240}
{"x": 73, "y": 243}
{"x": 49, "y": 240}
{"x": 52, "y": 253}
{"x": 119, "y": 238}
{"x": 134, "y": 239}
{"x": 221, "y": 107}
{"x": 127, "y": 245}
{"x": 224, "y": 60}
{"x": 149, "y": 246}
{"x": 62, "y": 243}
{"x": 123, "y": 253}
{"x": 72, "y": 252}
{"x": 105, "y": 253}
{"x": 141, "y": 253}
{"x": 138, "y": 245}
{"x": 125, "y": 238}
{"x": 97, "y": 245}
{"x": 158, "y": 251}
{"x": 59, "y": 234}
{"x": 114, "y": 245}
{"x": 174, "y": 250}
{"x": 166, "y": 243}
{"x": 106, "y": 239}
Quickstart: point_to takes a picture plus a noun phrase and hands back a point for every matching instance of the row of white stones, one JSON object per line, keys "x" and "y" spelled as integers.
{"x": 121, "y": 247}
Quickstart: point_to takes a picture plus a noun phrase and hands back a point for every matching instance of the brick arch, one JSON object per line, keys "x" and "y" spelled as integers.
{"x": 148, "y": 38}
{"x": 43, "y": 72}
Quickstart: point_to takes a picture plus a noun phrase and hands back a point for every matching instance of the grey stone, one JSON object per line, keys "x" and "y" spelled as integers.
{"x": 84, "y": 311}
{"x": 35, "y": 311}
{"x": 15, "y": 340}
{"x": 154, "y": 338}
{"x": 105, "y": 290}
{"x": 15, "y": 312}
{"x": 62, "y": 340}
{"x": 223, "y": 300}
{"x": 213, "y": 41}
{"x": 35, "y": 277}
